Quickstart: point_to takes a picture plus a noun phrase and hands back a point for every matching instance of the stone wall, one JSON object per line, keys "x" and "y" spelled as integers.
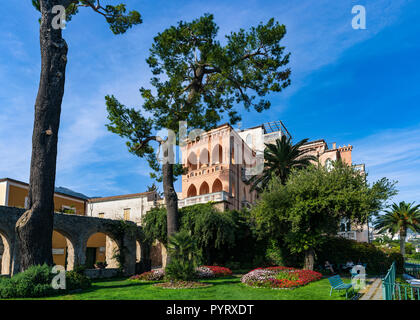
{"x": 77, "y": 229}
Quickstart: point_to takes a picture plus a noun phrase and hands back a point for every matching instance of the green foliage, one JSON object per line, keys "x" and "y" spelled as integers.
{"x": 313, "y": 202}
{"x": 116, "y": 16}
{"x": 399, "y": 220}
{"x": 279, "y": 159}
{"x": 184, "y": 257}
{"x": 75, "y": 281}
{"x": 198, "y": 80}
{"x": 399, "y": 261}
{"x": 220, "y": 236}
{"x": 34, "y": 282}
{"x": 155, "y": 225}
{"x": 211, "y": 229}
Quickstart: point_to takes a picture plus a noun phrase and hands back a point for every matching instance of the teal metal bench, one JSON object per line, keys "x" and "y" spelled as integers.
{"x": 337, "y": 284}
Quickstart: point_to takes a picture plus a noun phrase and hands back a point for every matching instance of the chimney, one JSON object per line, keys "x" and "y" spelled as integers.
{"x": 334, "y": 145}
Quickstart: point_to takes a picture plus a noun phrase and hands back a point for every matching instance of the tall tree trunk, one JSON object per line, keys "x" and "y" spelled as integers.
{"x": 403, "y": 235}
{"x": 309, "y": 260}
{"x": 35, "y": 226}
{"x": 171, "y": 198}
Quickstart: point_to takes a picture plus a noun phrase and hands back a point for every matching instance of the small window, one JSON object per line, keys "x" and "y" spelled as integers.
{"x": 101, "y": 214}
{"x": 126, "y": 214}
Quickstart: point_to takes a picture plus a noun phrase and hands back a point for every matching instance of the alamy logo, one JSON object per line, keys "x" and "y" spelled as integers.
{"x": 59, "y": 21}
{"x": 359, "y": 20}
{"x": 59, "y": 281}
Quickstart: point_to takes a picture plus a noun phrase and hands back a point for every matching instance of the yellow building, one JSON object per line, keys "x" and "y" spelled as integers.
{"x": 14, "y": 193}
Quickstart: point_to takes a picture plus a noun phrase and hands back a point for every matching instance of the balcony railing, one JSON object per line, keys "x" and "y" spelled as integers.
{"x": 348, "y": 235}
{"x": 204, "y": 198}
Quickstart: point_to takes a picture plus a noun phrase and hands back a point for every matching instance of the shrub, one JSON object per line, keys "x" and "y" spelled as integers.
{"x": 399, "y": 261}
{"x": 183, "y": 257}
{"x": 34, "y": 282}
{"x": 154, "y": 275}
{"x": 339, "y": 250}
{"x": 76, "y": 280}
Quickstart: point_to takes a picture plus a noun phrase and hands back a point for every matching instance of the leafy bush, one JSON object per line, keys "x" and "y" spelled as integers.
{"x": 399, "y": 261}
{"x": 338, "y": 251}
{"x": 34, "y": 282}
{"x": 222, "y": 237}
{"x": 184, "y": 257}
{"x": 76, "y": 280}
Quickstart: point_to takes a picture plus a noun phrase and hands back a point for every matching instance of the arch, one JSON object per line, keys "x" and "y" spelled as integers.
{"x": 192, "y": 191}
{"x": 249, "y": 139}
{"x": 217, "y": 186}
{"x": 204, "y": 157}
{"x": 63, "y": 249}
{"x": 217, "y": 154}
{"x": 6, "y": 255}
{"x": 138, "y": 251}
{"x": 232, "y": 155}
{"x": 101, "y": 247}
{"x": 192, "y": 161}
{"x": 204, "y": 188}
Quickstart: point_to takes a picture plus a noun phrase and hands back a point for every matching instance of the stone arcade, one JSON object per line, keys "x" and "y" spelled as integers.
{"x": 77, "y": 230}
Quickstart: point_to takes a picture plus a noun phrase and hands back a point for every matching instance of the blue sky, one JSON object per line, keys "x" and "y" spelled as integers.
{"x": 358, "y": 87}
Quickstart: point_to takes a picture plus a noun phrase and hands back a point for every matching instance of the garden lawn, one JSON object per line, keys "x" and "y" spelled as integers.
{"x": 229, "y": 288}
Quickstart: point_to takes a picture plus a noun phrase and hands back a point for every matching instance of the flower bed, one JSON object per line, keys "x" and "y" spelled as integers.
{"x": 206, "y": 272}
{"x": 203, "y": 272}
{"x": 154, "y": 275}
{"x": 280, "y": 277}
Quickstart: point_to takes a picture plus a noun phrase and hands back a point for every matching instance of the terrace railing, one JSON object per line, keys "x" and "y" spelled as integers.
{"x": 412, "y": 269}
{"x": 392, "y": 290}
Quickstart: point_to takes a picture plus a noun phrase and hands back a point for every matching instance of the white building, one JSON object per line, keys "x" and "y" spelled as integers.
{"x": 130, "y": 207}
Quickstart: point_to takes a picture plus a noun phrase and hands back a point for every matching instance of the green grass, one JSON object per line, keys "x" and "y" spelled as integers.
{"x": 229, "y": 288}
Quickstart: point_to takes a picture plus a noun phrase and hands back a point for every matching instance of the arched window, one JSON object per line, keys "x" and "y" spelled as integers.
{"x": 204, "y": 189}
{"x": 204, "y": 157}
{"x": 217, "y": 186}
{"x": 192, "y": 161}
{"x": 249, "y": 139}
{"x": 217, "y": 154}
{"x": 192, "y": 191}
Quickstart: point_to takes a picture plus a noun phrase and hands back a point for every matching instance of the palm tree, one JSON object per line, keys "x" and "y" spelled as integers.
{"x": 279, "y": 159}
{"x": 400, "y": 219}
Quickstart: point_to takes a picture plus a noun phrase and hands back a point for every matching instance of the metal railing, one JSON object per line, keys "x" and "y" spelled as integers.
{"x": 215, "y": 196}
{"x": 348, "y": 235}
{"x": 392, "y": 290}
{"x": 412, "y": 269}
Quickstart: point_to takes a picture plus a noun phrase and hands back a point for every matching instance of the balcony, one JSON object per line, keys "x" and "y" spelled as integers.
{"x": 352, "y": 235}
{"x": 204, "y": 198}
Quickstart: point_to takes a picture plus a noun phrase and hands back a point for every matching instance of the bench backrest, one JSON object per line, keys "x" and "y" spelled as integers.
{"x": 335, "y": 281}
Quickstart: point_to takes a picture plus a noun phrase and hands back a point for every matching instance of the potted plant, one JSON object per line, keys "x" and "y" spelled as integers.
{"x": 100, "y": 265}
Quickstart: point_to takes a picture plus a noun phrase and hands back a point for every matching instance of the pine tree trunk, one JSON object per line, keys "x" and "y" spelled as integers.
{"x": 171, "y": 199}
{"x": 309, "y": 260}
{"x": 35, "y": 226}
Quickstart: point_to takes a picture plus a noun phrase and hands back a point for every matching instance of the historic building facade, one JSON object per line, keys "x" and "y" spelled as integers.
{"x": 215, "y": 164}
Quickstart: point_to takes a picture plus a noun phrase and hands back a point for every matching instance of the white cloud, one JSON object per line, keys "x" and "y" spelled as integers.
{"x": 393, "y": 154}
